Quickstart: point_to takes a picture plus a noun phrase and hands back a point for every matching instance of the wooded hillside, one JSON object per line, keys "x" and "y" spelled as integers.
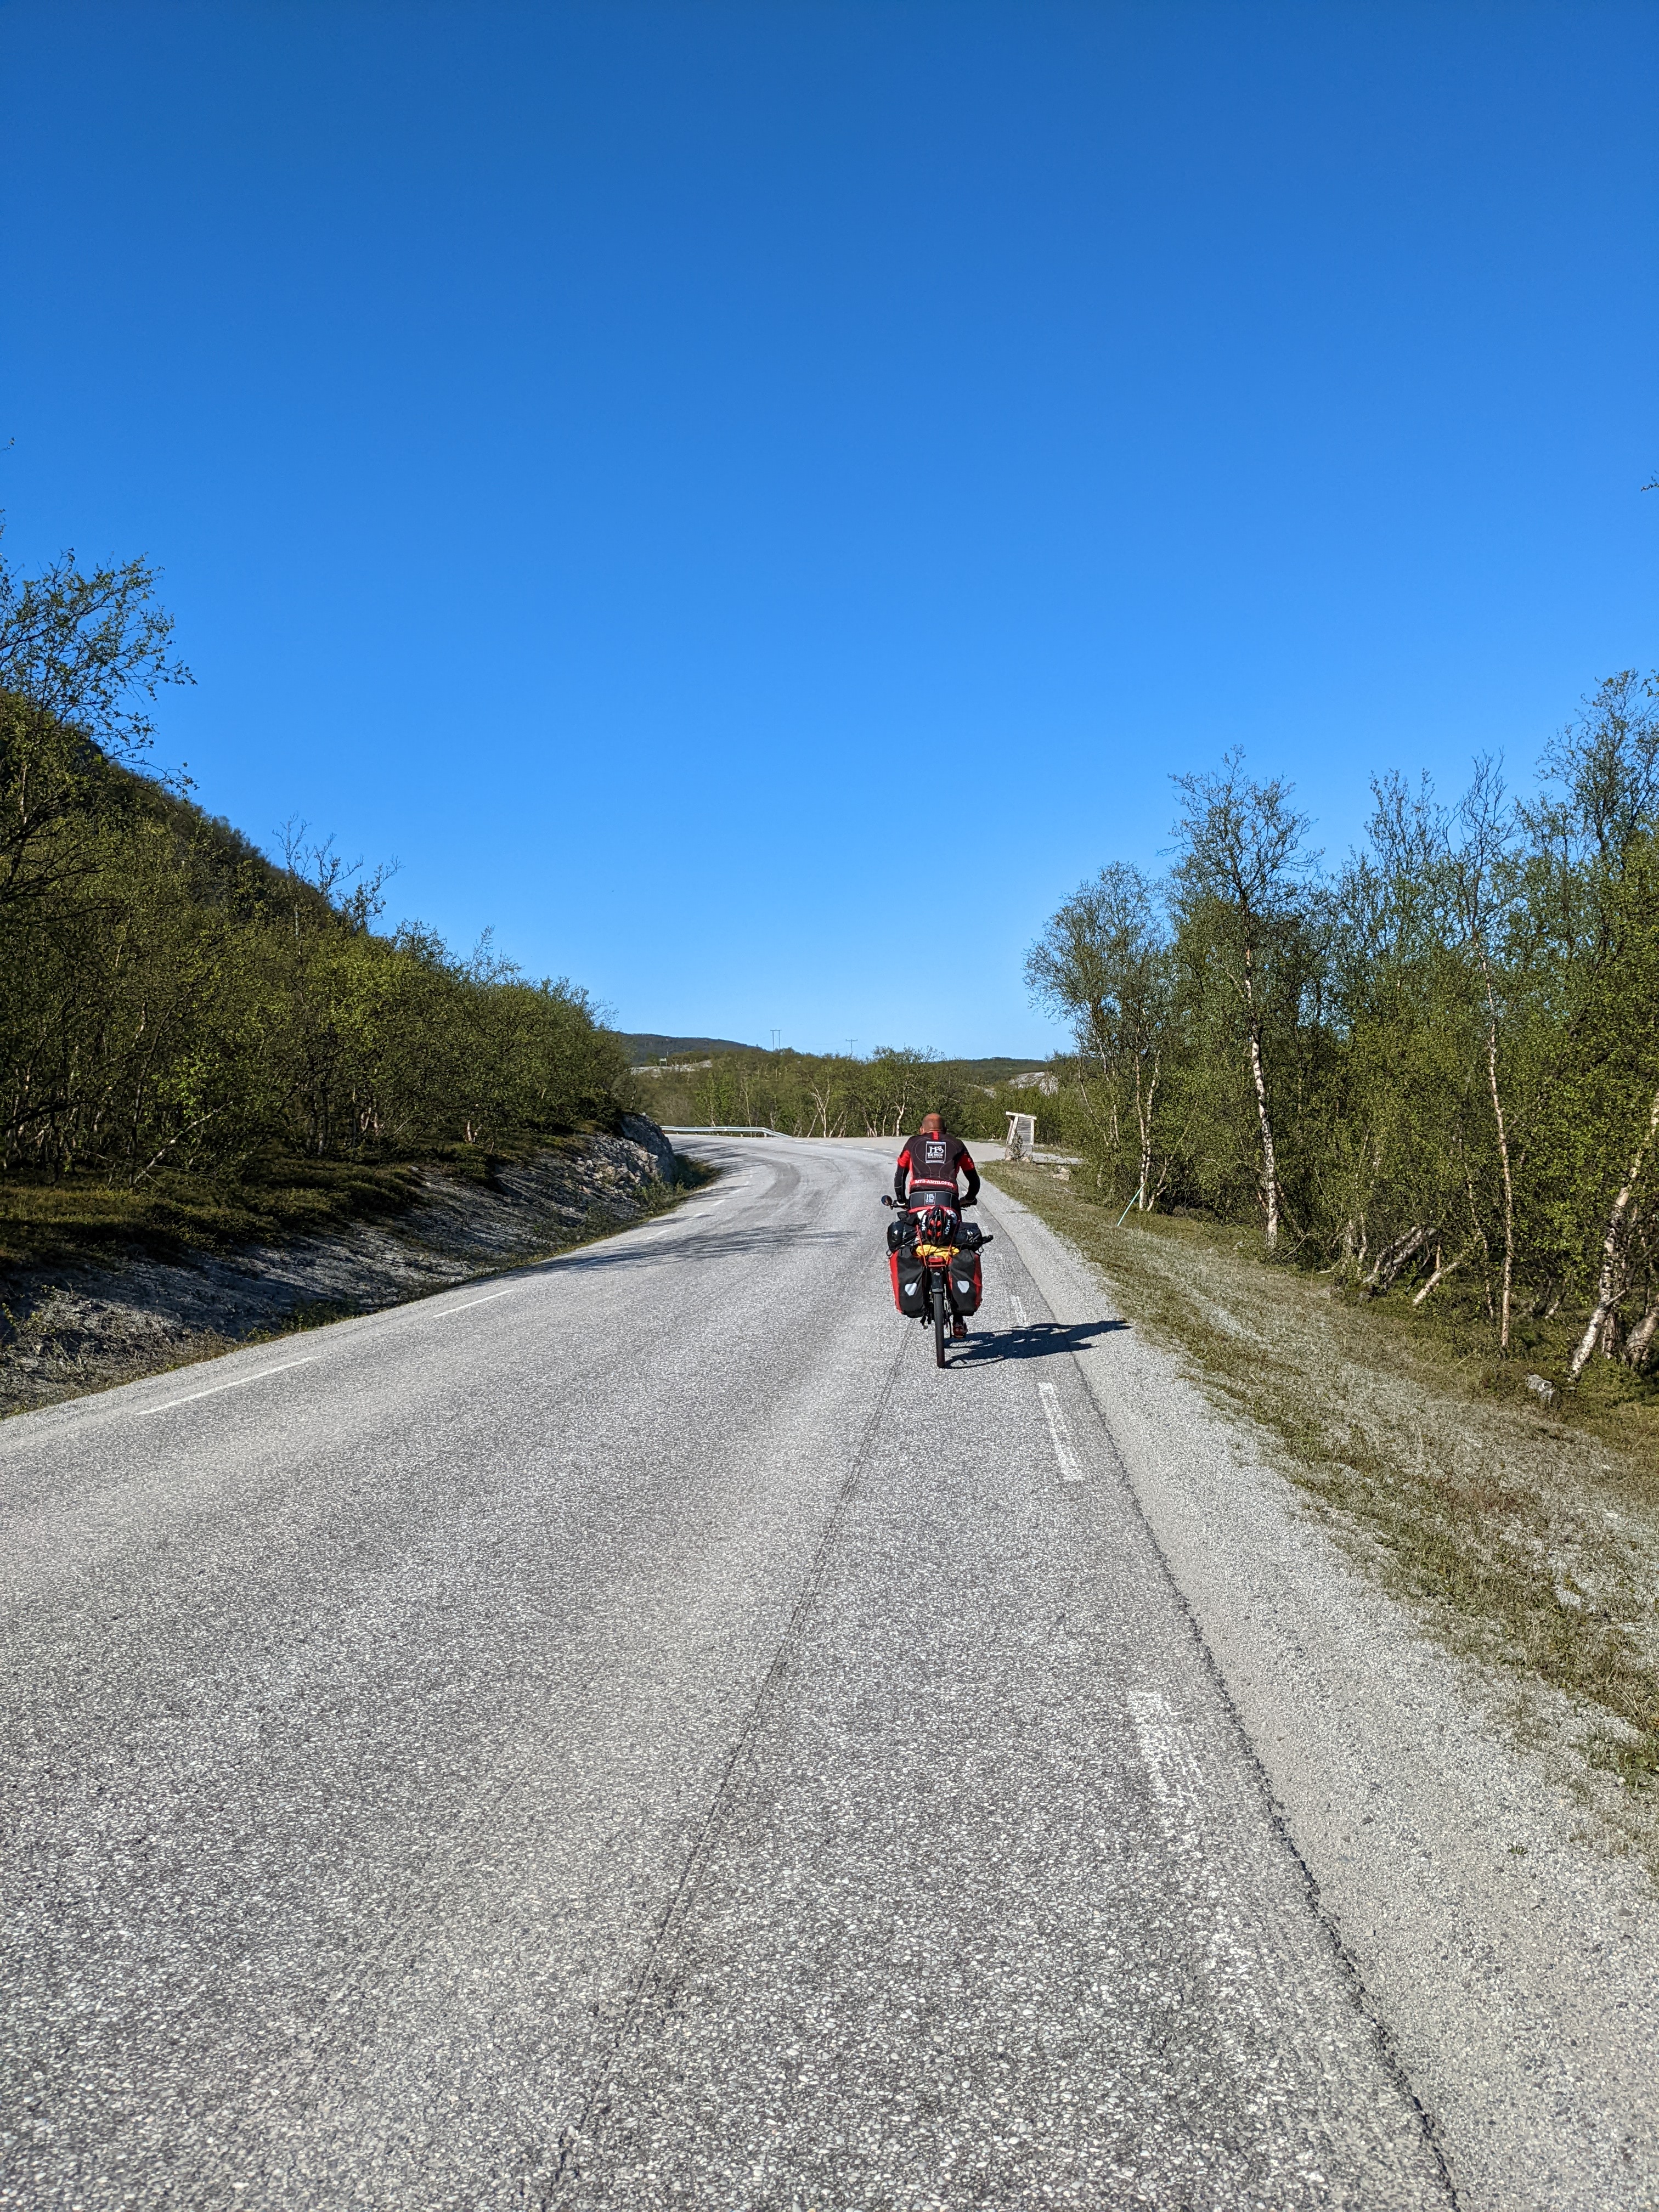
{"x": 171, "y": 1000}
{"x": 1435, "y": 1067}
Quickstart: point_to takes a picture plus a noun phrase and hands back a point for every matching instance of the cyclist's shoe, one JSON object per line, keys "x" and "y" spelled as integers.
{"x": 958, "y": 1328}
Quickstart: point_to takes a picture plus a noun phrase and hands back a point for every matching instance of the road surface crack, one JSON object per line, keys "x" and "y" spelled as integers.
{"x": 567, "y": 2170}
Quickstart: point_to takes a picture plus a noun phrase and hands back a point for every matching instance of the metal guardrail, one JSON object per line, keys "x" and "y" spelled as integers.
{"x": 715, "y": 1129}
{"x": 754, "y": 1129}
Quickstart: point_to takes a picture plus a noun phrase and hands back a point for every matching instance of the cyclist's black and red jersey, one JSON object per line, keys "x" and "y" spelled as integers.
{"x": 932, "y": 1163}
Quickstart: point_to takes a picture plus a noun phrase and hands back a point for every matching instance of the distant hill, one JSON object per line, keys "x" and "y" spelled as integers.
{"x": 643, "y": 1048}
{"x": 667, "y": 1047}
{"x": 990, "y": 1071}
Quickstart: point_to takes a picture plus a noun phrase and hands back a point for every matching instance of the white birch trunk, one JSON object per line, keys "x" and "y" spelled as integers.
{"x": 1607, "y": 1291}
{"x": 1503, "y": 1163}
{"x": 1636, "y": 1346}
{"x": 1444, "y": 1268}
{"x": 1259, "y": 1076}
{"x": 1144, "y": 1116}
{"x": 1269, "y": 1159}
{"x": 1389, "y": 1262}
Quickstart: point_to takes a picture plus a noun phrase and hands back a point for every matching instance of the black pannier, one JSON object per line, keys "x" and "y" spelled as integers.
{"x": 910, "y": 1274}
{"x": 901, "y": 1233}
{"x": 967, "y": 1283}
{"x": 969, "y": 1236}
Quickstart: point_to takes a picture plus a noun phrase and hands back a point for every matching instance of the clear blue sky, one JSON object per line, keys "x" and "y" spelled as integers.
{"x": 621, "y": 459}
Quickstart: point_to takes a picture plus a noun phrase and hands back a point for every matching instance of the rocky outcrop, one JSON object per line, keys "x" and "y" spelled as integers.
{"x": 67, "y": 1330}
{"x": 645, "y": 1135}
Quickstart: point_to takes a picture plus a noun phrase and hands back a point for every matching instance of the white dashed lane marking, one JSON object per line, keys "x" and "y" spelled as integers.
{"x": 1060, "y": 1432}
{"x": 213, "y": 1390}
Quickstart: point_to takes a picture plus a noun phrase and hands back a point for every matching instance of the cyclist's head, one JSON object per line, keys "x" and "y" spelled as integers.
{"x": 932, "y": 1125}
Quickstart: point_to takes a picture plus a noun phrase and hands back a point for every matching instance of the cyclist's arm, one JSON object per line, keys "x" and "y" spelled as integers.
{"x": 965, "y": 1162}
{"x": 901, "y": 1175}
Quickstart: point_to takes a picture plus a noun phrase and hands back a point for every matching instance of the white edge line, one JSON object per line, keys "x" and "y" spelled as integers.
{"x": 441, "y": 1310}
{"x": 235, "y": 1383}
{"x": 1069, "y": 1471}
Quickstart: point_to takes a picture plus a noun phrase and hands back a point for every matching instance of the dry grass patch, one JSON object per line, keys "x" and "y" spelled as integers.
{"x": 1524, "y": 1540}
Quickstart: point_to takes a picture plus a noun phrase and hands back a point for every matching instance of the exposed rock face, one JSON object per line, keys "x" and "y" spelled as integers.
{"x": 649, "y": 1139}
{"x": 67, "y": 1330}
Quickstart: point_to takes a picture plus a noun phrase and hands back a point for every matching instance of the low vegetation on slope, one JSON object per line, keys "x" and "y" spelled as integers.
{"x": 195, "y": 1039}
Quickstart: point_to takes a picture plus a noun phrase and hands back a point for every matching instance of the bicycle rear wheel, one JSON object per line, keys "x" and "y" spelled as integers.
{"x": 937, "y": 1280}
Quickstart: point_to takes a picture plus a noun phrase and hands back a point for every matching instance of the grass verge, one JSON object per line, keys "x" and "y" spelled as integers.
{"x": 1525, "y": 1540}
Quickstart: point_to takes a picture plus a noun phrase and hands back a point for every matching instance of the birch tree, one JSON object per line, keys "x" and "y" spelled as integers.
{"x": 84, "y": 653}
{"x": 1103, "y": 966}
{"x": 1478, "y": 865}
{"x": 1240, "y": 875}
{"x": 1594, "y": 825}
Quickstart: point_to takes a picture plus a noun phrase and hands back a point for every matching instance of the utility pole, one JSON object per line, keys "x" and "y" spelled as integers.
{"x": 776, "y": 1034}
{"x": 851, "y": 1041}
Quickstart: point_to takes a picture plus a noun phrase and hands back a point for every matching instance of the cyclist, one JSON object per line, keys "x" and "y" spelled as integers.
{"x": 931, "y": 1161}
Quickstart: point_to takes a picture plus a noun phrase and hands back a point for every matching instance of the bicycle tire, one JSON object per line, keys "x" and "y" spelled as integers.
{"x": 939, "y": 1303}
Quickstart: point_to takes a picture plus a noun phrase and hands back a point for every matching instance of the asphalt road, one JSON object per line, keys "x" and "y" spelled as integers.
{"x": 634, "y": 1734}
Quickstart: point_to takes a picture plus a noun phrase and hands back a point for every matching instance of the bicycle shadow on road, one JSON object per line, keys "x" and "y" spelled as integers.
{"x": 1037, "y": 1340}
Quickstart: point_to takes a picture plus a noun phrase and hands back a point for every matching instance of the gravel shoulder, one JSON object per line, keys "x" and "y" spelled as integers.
{"x": 1490, "y": 1885}
{"x": 68, "y": 1329}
